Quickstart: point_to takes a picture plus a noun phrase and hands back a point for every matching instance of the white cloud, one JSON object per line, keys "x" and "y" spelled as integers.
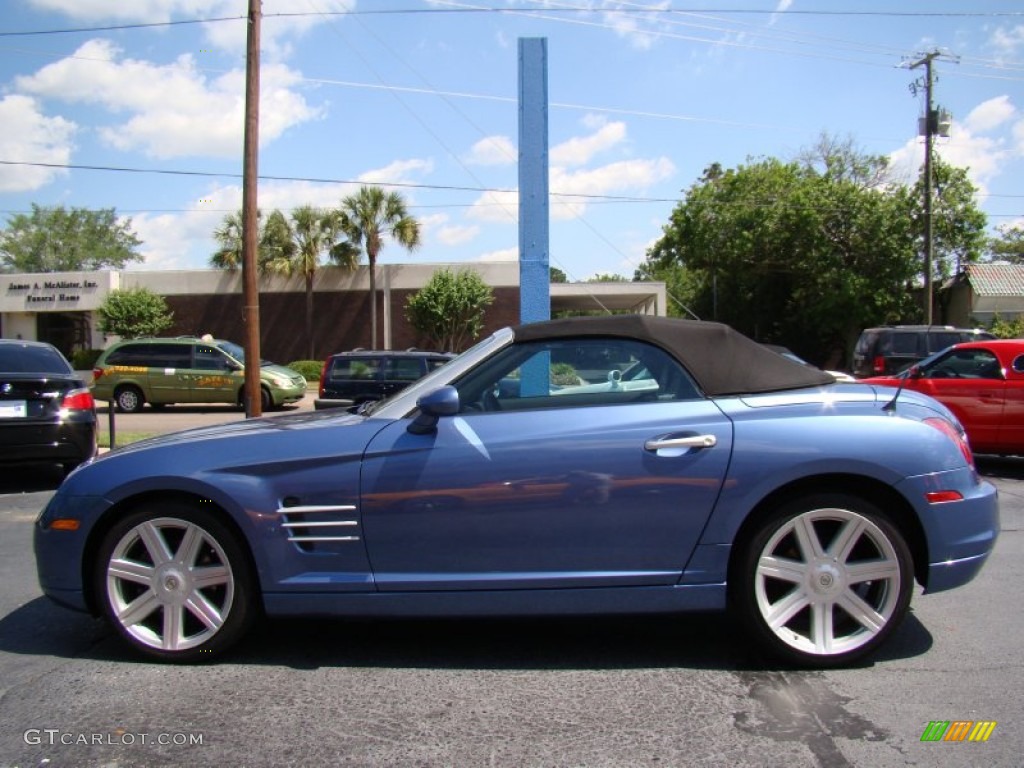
{"x": 506, "y": 254}
{"x": 580, "y": 150}
{"x": 493, "y": 150}
{"x": 175, "y": 110}
{"x": 398, "y": 172}
{"x": 1007, "y": 41}
{"x": 638, "y": 29}
{"x": 457, "y": 235}
{"x": 990, "y": 114}
{"x": 984, "y": 143}
{"x": 498, "y": 206}
{"x": 228, "y": 35}
{"x": 29, "y": 135}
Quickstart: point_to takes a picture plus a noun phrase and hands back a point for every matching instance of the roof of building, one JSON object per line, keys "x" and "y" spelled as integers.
{"x": 996, "y": 279}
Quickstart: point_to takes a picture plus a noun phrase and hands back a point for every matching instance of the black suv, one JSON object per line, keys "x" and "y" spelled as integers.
{"x": 889, "y": 349}
{"x": 352, "y": 378}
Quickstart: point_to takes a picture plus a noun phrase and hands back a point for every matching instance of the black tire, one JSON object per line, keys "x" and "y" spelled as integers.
{"x": 266, "y": 401}
{"x": 155, "y": 602}
{"x": 129, "y": 399}
{"x": 823, "y": 580}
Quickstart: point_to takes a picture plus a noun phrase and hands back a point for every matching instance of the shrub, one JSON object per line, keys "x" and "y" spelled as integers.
{"x": 85, "y": 359}
{"x": 310, "y": 369}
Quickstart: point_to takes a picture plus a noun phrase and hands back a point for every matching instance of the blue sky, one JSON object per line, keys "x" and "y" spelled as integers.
{"x": 422, "y": 93}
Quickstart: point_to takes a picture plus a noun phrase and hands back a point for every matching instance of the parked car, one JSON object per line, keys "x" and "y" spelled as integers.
{"x": 353, "y": 378}
{"x": 47, "y": 414}
{"x": 787, "y": 352}
{"x": 186, "y": 370}
{"x": 740, "y": 480}
{"x": 982, "y": 383}
{"x": 893, "y": 348}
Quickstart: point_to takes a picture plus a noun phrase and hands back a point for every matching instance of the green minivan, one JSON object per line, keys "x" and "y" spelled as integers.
{"x": 186, "y": 370}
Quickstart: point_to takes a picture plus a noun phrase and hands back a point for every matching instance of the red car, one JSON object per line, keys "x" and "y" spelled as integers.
{"x": 982, "y": 382}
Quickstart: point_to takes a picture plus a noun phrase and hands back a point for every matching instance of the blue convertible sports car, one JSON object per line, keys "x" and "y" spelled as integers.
{"x": 623, "y": 464}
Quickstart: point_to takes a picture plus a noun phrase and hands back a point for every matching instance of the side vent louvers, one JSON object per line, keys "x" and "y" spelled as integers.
{"x": 312, "y": 526}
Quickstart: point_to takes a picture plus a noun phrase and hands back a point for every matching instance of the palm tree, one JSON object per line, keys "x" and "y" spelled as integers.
{"x": 310, "y": 233}
{"x": 272, "y": 241}
{"x": 229, "y": 241}
{"x": 367, "y": 218}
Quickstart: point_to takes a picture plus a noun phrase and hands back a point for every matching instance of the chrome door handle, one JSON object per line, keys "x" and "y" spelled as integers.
{"x": 696, "y": 441}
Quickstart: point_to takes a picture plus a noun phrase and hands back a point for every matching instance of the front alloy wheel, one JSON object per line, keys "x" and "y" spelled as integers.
{"x": 175, "y": 583}
{"x": 825, "y": 580}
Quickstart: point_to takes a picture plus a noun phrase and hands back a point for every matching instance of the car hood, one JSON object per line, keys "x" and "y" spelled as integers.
{"x": 252, "y": 446}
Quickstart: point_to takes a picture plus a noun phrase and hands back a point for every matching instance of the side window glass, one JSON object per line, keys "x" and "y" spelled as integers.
{"x": 404, "y": 369}
{"x": 170, "y": 356}
{"x": 966, "y": 364}
{"x": 355, "y": 368}
{"x": 210, "y": 359}
{"x": 904, "y": 343}
{"x": 575, "y": 373}
{"x": 1018, "y": 364}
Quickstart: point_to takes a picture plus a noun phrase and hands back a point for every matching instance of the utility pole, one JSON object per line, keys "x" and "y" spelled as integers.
{"x": 929, "y": 126}
{"x": 250, "y": 221}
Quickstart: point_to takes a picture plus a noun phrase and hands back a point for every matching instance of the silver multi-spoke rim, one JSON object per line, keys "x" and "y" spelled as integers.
{"x": 828, "y": 581}
{"x": 170, "y": 584}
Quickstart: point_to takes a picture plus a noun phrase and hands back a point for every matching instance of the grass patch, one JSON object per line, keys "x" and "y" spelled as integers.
{"x": 124, "y": 438}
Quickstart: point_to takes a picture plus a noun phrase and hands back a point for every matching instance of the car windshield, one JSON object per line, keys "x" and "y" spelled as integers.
{"x": 922, "y": 364}
{"x": 28, "y": 358}
{"x": 237, "y": 352}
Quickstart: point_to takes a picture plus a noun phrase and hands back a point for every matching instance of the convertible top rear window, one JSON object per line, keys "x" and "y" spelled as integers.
{"x": 722, "y": 361}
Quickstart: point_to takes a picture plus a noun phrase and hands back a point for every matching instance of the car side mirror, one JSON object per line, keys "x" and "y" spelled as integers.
{"x": 434, "y": 405}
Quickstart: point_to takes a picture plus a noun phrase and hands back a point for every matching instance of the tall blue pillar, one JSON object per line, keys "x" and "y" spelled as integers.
{"x": 534, "y": 275}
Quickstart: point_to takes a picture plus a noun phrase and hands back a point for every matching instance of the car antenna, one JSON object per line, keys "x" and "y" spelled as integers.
{"x": 891, "y": 405}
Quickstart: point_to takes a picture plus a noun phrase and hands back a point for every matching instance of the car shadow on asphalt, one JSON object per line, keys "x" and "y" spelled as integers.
{"x": 689, "y": 641}
{"x": 1005, "y": 467}
{"x": 32, "y": 478}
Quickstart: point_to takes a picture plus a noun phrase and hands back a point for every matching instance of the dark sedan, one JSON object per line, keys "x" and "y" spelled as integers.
{"x": 47, "y": 414}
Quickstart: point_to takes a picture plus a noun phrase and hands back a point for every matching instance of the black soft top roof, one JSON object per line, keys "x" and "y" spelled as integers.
{"x": 721, "y": 360}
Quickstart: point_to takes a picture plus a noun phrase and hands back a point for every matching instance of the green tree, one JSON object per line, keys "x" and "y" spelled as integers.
{"x": 958, "y": 225}
{"x": 1008, "y": 245}
{"x": 449, "y": 309}
{"x": 557, "y": 275}
{"x": 785, "y": 252}
{"x": 607, "y": 278}
{"x": 57, "y": 239}
{"x": 273, "y": 239}
{"x": 368, "y": 218}
{"x": 134, "y": 312}
{"x": 304, "y": 239}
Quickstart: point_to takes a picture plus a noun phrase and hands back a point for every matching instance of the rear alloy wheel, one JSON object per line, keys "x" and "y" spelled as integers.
{"x": 824, "y": 580}
{"x": 129, "y": 399}
{"x": 175, "y": 583}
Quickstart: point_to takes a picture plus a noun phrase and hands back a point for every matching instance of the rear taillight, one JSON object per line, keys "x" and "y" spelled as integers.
{"x": 879, "y": 364}
{"x": 955, "y": 435}
{"x": 323, "y": 375}
{"x": 78, "y": 400}
{"x": 97, "y": 373}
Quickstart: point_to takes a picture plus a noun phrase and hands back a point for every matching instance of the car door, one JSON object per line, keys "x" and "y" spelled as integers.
{"x": 1011, "y": 431}
{"x": 970, "y": 381}
{"x": 169, "y": 368}
{"x": 545, "y": 479}
{"x": 215, "y": 378}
